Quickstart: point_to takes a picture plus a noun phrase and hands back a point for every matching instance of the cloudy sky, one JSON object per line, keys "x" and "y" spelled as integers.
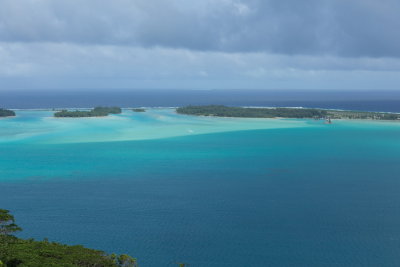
{"x": 200, "y": 44}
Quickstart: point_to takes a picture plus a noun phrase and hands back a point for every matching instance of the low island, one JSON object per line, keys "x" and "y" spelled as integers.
{"x": 241, "y": 112}
{"x": 138, "y": 110}
{"x": 96, "y": 112}
{"x": 6, "y": 113}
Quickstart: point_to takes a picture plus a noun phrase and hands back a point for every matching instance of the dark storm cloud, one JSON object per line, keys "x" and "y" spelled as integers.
{"x": 351, "y": 28}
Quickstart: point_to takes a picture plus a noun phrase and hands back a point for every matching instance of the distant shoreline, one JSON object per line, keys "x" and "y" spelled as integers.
{"x": 330, "y": 111}
{"x": 176, "y": 107}
{"x": 289, "y": 113}
{"x": 83, "y": 109}
{"x": 95, "y": 112}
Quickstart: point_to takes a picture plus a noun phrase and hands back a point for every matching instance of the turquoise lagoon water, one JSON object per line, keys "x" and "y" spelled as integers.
{"x": 168, "y": 188}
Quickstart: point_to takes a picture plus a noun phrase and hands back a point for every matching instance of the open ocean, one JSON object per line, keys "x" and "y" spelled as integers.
{"x": 212, "y": 192}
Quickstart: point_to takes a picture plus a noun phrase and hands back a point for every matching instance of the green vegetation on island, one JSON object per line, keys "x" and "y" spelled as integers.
{"x": 16, "y": 252}
{"x": 6, "y": 113}
{"x": 138, "y": 110}
{"x": 224, "y": 111}
{"x": 96, "y": 112}
{"x": 363, "y": 115}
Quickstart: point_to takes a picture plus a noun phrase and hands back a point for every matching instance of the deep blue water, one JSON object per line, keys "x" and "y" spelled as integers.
{"x": 285, "y": 197}
{"x": 321, "y": 195}
{"x": 355, "y": 100}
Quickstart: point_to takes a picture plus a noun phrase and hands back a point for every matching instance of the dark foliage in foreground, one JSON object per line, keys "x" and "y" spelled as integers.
{"x": 224, "y": 111}
{"x": 6, "y": 112}
{"x": 15, "y": 252}
{"x": 96, "y": 112}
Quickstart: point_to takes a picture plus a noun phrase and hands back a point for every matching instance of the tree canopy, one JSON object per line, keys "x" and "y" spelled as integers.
{"x": 138, "y": 110}
{"x": 7, "y": 223}
{"x": 224, "y": 111}
{"x": 6, "y": 112}
{"x": 15, "y": 252}
{"x": 96, "y": 112}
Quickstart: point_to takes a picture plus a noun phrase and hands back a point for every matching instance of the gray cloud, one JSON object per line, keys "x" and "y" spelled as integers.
{"x": 264, "y": 44}
{"x": 346, "y": 28}
{"x": 63, "y": 65}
